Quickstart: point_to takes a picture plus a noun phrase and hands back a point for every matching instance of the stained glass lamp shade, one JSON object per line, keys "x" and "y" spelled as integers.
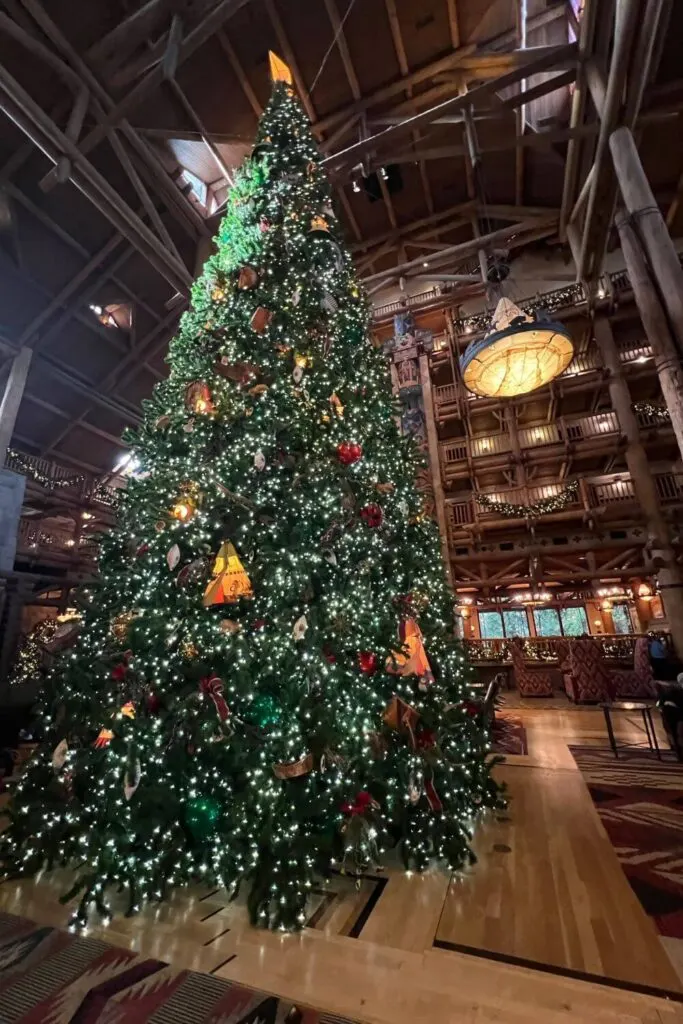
{"x": 517, "y": 355}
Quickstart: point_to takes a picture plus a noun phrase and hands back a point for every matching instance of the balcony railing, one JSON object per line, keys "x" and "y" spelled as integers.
{"x": 597, "y": 494}
{"x": 546, "y": 650}
{"x": 563, "y": 431}
{"x": 52, "y": 477}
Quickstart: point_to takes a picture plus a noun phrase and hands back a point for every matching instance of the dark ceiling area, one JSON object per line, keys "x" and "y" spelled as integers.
{"x": 123, "y": 122}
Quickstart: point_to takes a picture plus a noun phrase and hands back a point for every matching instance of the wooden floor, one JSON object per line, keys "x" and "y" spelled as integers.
{"x": 547, "y": 890}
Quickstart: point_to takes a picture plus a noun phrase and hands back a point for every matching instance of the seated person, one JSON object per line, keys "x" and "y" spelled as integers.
{"x": 670, "y": 703}
{"x": 664, "y": 663}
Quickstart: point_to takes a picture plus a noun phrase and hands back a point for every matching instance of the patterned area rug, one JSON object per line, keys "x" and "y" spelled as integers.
{"x": 47, "y": 975}
{"x": 640, "y": 803}
{"x": 508, "y": 735}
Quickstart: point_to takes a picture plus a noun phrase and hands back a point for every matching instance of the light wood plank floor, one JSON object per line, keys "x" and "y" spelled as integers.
{"x": 558, "y": 897}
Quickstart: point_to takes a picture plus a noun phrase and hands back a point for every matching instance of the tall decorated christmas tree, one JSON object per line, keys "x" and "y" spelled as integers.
{"x": 266, "y": 684}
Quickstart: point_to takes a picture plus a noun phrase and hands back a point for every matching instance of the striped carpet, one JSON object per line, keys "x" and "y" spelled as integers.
{"x": 640, "y": 802}
{"x": 50, "y": 977}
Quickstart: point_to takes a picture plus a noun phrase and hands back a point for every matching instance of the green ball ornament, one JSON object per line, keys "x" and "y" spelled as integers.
{"x": 201, "y": 815}
{"x": 265, "y": 711}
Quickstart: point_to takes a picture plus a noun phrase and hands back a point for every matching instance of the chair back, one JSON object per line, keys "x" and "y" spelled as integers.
{"x": 641, "y": 660}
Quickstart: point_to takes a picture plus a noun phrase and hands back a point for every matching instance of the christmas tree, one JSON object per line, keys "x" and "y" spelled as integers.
{"x": 266, "y": 684}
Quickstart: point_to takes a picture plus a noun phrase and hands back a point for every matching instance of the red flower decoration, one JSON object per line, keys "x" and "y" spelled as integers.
{"x": 372, "y": 515}
{"x": 368, "y": 662}
{"x": 264, "y": 225}
{"x": 258, "y": 623}
{"x": 330, "y": 657}
{"x": 142, "y": 550}
{"x": 118, "y": 673}
{"x": 364, "y": 801}
{"x": 471, "y": 708}
{"x": 348, "y": 452}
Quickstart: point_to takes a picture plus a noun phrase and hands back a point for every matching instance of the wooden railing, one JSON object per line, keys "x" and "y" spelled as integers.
{"x": 561, "y": 431}
{"x": 547, "y": 650}
{"x": 597, "y": 494}
{"x": 52, "y": 477}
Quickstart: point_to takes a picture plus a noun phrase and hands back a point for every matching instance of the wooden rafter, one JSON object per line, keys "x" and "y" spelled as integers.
{"x": 236, "y": 65}
{"x": 288, "y": 52}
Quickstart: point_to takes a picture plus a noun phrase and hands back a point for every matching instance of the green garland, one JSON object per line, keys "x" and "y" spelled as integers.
{"x": 24, "y": 463}
{"x": 556, "y": 503}
{"x": 658, "y": 413}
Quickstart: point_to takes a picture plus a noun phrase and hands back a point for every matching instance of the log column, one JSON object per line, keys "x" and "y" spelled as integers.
{"x": 14, "y": 392}
{"x": 656, "y": 325}
{"x": 650, "y": 225}
{"x": 435, "y": 461}
{"x": 670, "y": 576}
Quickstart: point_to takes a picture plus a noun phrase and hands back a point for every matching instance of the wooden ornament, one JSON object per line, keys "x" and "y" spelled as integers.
{"x": 258, "y": 390}
{"x": 319, "y": 225}
{"x": 229, "y": 626}
{"x": 247, "y": 278}
{"x": 198, "y": 398}
{"x": 384, "y": 488}
{"x": 260, "y": 319}
{"x": 401, "y": 717}
{"x": 230, "y": 580}
{"x": 162, "y": 422}
{"x": 240, "y": 373}
{"x": 294, "y": 770}
{"x": 337, "y": 407}
{"x": 412, "y": 659}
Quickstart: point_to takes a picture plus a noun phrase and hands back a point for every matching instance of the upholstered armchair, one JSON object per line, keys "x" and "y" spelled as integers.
{"x": 586, "y": 678}
{"x": 530, "y": 681}
{"x": 638, "y": 682}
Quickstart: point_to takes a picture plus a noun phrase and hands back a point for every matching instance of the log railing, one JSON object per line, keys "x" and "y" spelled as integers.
{"x": 594, "y": 495}
{"x": 50, "y": 476}
{"x": 546, "y": 650}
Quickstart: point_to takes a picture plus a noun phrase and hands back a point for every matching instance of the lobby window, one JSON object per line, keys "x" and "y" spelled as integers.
{"x": 516, "y": 623}
{"x": 547, "y": 622}
{"x": 495, "y": 626}
{"x": 574, "y": 621}
{"x": 491, "y": 625}
{"x": 621, "y": 617}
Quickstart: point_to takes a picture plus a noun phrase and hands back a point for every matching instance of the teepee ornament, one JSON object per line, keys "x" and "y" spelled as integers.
{"x": 230, "y": 581}
{"x": 259, "y": 461}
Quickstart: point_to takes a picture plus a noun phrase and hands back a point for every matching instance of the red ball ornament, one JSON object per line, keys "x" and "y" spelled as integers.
{"x": 371, "y": 515}
{"x": 118, "y": 673}
{"x": 368, "y": 662}
{"x": 348, "y": 452}
{"x": 330, "y": 657}
{"x": 425, "y": 739}
{"x": 152, "y": 703}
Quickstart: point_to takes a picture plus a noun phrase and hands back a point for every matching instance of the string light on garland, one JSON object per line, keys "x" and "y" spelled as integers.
{"x": 555, "y": 503}
{"x": 657, "y": 414}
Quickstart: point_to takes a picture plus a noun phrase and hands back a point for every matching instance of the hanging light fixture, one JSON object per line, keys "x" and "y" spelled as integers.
{"x": 517, "y": 354}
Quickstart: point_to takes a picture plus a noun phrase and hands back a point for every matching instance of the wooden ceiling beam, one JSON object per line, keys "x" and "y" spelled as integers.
{"x": 414, "y": 225}
{"x": 288, "y": 53}
{"x": 453, "y": 23}
{"x": 240, "y": 74}
{"x": 352, "y": 154}
{"x": 401, "y": 56}
{"x": 449, "y": 61}
{"x": 522, "y": 232}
